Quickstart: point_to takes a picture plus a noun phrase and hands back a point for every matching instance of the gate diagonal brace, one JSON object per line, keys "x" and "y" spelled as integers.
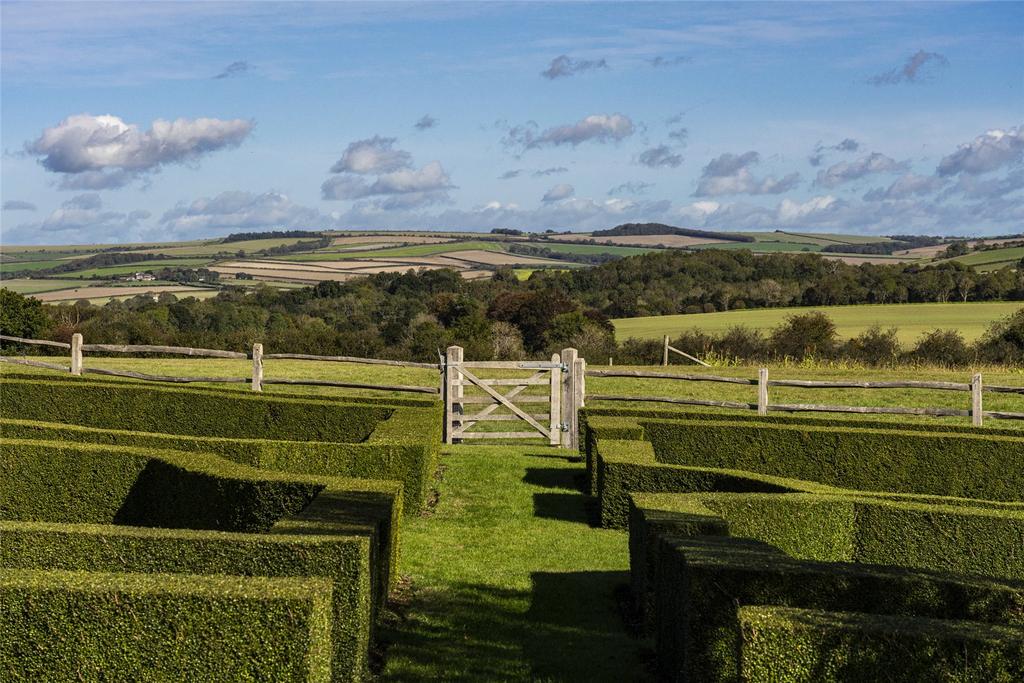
{"x": 505, "y": 402}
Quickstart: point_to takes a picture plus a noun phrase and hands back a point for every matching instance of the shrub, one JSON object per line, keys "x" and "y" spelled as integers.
{"x": 942, "y": 347}
{"x": 94, "y": 626}
{"x": 1003, "y": 342}
{"x": 805, "y": 335}
{"x": 874, "y": 346}
{"x": 743, "y": 343}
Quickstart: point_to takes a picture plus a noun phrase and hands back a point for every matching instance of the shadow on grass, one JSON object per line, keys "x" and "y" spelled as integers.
{"x": 566, "y": 628}
{"x": 568, "y": 478}
{"x": 565, "y": 507}
{"x": 556, "y": 454}
{"x": 575, "y": 630}
{"x": 469, "y": 632}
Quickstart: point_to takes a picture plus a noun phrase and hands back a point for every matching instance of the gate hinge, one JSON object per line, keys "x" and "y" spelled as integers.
{"x": 564, "y": 426}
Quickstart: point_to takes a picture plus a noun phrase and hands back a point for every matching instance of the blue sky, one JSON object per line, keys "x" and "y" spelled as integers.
{"x": 144, "y": 121}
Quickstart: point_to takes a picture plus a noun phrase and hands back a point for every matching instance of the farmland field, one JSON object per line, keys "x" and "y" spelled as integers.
{"x": 970, "y": 319}
{"x": 26, "y": 286}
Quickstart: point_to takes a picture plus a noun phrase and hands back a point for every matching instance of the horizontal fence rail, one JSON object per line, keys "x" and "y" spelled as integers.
{"x": 975, "y": 387}
{"x": 77, "y": 347}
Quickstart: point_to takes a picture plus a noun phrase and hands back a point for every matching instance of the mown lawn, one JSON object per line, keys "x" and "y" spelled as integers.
{"x": 911, "y": 320}
{"x": 509, "y": 579}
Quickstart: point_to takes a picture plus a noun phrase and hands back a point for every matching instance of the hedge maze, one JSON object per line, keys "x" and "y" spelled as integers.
{"x": 816, "y": 549}
{"x": 187, "y": 534}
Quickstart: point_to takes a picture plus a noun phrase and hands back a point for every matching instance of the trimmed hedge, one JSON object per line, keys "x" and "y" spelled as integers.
{"x": 405, "y": 447}
{"x": 887, "y": 461}
{"x": 798, "y": 646}
{"x": 703, "y": 580}
{"x": 626, "y": 427}
{"x": 626, "y": 467}
{"x": 833, "y": 528}
{"x": 187, "y": 411}
{"x": 344, "y": 529}
{"x": 342, "y": 560}
{"x": 97, "y": 626}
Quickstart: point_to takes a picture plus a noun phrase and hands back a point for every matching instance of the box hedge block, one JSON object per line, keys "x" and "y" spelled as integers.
{"x": 60, "y": 625}
{"x": 810, "y": 646}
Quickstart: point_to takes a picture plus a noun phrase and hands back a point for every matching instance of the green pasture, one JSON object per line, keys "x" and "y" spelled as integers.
{"x": 992, "y": 259}
{"x": 141, "y": 266}
{"x": 18, "y": 266}
{"x": 762, "y": 247}
{"x": 911, "y": 320}
{"x": 212, "y": 247}
{"x": 396, "y": 252}
{"x": 28, "y": 286}
{"x": 560, "y": 248}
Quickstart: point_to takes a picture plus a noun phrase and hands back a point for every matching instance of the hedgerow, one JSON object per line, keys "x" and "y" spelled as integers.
{"x": 187, "y": 411}
{"x": 886, "y": 460}
{"x": 789, "y": 645}
{"x": 66, "y": 626}
{"x": 629, "y": 427}
{"x": 702, "y": 581}
{"x": 404, "y": 447}
{"x": 216, "y": 517}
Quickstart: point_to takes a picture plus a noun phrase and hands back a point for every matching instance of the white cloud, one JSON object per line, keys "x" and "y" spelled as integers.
{"x": 237, "y": 210}
{"x": 559, "y": 192}
{"x": 907, "y": 185}
{"x": 846, "y": 171}
{"x": 373, "y": 155}
{"x": 730, "y": 174}
{"x": 18, "y": 205}
{"x": 661, "y": 156}
{"x": 988, "y": 152}
{"x": 111, "y": 152}
{"x": 594, "y": 128}
{"x": 790, "y": 211}
{"x": 80, "y": 219}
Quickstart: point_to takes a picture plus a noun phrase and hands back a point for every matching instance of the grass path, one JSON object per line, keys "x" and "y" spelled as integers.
{"x": 510, "y": 580}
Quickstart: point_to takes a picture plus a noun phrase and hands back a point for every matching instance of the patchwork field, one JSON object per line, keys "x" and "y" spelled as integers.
{"x": 76, "y": 293}
{"x": 912, "y": 320}
{"x": 474, "y": 255}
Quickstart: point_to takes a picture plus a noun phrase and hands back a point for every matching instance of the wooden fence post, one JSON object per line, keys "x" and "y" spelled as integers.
{"x": 570, "y": 403}
{"x": 664, "y": 352}
{"x": 976, "y": 411}
{"x": 453, "y": 391}
{"x": 76, "y": 354}
{"x": 555, "y": 423}
{"x": 581, "y": 383}
{"x": 257, "y": 367}
{"x": 762, "y": 391}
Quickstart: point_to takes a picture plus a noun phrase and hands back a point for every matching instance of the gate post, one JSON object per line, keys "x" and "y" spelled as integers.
{"x": 257, "y": 367}
{"x": 976, "y": 411}
{"x": 76, "y": 354}
{"x": 570, "y": 398}
{"x": 762, "y": 391}
{"x": 453, "y": 391}
{"x": 555, "y": 423}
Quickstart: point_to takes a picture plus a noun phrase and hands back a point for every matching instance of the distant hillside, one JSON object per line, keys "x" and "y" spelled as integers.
{"x": 662, "y": 229}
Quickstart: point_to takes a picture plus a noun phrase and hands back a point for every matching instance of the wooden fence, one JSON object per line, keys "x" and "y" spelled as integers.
{"x": 77, "y": 349}
{"x": 976, "y": 388}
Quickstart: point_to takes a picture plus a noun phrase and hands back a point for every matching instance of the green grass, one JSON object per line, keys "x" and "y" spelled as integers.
{"x": 211, "y": 247}
{"x": 26, "y": 286}
{"x": 992, "y": 259}
{"x": 970, "y": 319}
{"x": 762, "y": 247}
{"x": 141, "y": 266}
{"x": 18, "y": 266}
{"x": 593, "y": 248}
{"x": 510, "y": 580}
{"x": 396, "y": 252}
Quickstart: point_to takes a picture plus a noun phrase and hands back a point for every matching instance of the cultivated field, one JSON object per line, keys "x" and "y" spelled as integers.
{"x": 475, "y": 255}
{"x": 970, "y": 319}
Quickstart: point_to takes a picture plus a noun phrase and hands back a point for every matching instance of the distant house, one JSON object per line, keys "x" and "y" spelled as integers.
{"x": 140, "y": 277}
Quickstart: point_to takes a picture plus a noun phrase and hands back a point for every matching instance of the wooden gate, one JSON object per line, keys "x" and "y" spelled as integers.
{"x": 556, "y": 385}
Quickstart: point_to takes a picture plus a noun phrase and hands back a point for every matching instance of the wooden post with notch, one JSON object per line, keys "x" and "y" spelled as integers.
{"x": 76, "y": 354}
{"x": 664, "y": 352}
{"x": 762, "y": 391}
{"x": 453, "y": 391}
{"x": 555, "y": 428}
{"x": 976, "y": 411}
{"x": 257, "y": 367}
{"x": 569, "y": 394}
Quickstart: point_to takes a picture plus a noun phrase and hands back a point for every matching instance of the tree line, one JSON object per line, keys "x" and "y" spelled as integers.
{"x": 412, "y": 315}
